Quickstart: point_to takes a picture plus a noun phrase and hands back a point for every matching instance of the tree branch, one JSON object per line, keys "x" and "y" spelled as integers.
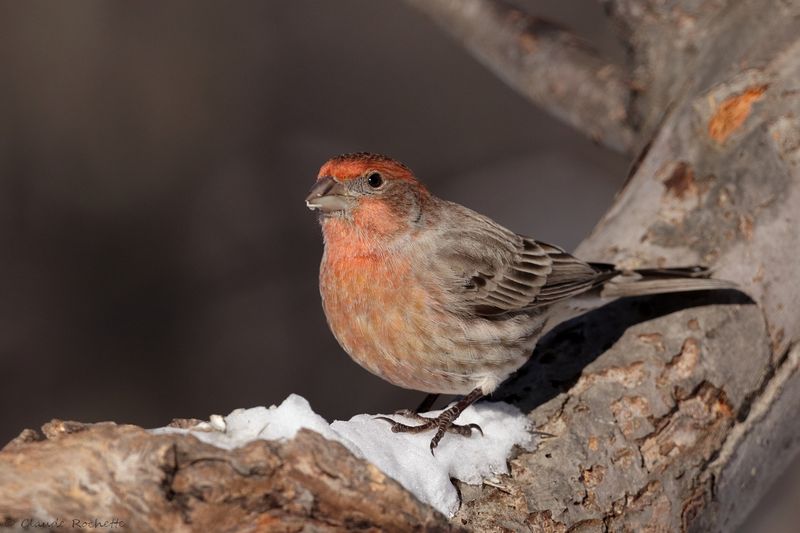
{"x": 545, "y": 63}
{"x": 667, "y": 412}
{"x": 680, "y": 421}
{"x": 177, "y": 483}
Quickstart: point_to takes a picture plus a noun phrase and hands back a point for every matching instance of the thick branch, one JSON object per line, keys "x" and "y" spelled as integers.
{"x": 176, "y": 483}
{"x": 547, "y": 64}
{"x": 765, "y": 434}
{"x": 667, "y": 413}
{"x": 692, "y": 410}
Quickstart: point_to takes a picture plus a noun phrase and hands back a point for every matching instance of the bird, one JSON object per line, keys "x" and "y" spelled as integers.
{"x": 432, "y": 296}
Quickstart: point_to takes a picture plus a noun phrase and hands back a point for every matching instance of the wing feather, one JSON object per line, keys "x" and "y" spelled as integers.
{"x": 493, "y": 271}
{"x": 521, "y": 274}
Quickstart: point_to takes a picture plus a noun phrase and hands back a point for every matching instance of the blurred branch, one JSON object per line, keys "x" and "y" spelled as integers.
{"x": 544, "y": 62}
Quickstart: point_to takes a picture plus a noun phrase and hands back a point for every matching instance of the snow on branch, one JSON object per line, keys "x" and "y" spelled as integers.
{"x": 264, "y": 468}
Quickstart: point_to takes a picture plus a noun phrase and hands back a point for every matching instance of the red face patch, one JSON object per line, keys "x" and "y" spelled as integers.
{"x": 351, "y": 166}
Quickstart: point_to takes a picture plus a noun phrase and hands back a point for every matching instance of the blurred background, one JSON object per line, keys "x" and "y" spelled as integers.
{"x": 158, "y": 259}
{"x": 156, "y": 256}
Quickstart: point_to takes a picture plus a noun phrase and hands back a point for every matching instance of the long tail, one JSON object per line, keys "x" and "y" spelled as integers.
{"x": 646, "y": 281}
{"x": 615, "y": 283}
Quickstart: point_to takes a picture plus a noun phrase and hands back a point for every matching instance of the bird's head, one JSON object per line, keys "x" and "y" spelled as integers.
{"x": 370, "y": 192}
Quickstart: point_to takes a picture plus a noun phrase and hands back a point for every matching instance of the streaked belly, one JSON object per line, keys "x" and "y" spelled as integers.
{"x": 393, "y": 327}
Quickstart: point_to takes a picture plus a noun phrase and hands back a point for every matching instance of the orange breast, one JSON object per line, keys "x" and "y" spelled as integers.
{"x": 381, "y": 317}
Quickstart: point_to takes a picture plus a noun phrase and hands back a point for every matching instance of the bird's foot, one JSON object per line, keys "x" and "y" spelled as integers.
{"x": 442, "y": 423}
{"x": 428, "y": 423}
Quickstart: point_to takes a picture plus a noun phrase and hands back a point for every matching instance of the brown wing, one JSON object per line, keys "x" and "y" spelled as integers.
{"x": 492, "y": 271}
{"x": 570, "y": 276}
{"x": 541, "y": 274}
{"x": 503, "y": 273}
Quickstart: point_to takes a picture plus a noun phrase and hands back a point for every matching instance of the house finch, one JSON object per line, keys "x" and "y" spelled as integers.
{"x": 432, "y": 296}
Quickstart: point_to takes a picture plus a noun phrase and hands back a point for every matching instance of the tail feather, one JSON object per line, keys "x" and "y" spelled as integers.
{"x": 695, "y": 271}
{"x": 617, "y": 283}
{"x": 647, "y": 281}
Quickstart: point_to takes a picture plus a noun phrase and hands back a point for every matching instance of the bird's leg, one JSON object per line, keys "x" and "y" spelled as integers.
{"x": 442, "y": 423}
{"x": 427, "y": 403}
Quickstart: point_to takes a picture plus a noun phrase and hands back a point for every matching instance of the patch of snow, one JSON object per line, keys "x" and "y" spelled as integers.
{"x": 404, "y": 457}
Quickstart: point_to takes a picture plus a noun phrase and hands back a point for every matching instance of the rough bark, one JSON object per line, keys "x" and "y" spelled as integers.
{"x": 157, "y": 483}
{"x": 677, "y": 425}
{"x": 668, "y": 413}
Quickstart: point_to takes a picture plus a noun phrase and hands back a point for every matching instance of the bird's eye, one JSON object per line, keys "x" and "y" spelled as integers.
{"x": 375, "y": 180}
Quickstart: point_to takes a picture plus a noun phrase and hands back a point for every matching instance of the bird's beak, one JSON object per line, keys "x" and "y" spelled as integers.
{"x": 327, "y": 195}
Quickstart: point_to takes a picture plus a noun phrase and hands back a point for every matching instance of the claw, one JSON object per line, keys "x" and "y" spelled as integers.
{"x": 398, "y": 427}
{"x": 395, "y": 425}
{"x": 442, "y": 423}
{"x": 475, "y": 426}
